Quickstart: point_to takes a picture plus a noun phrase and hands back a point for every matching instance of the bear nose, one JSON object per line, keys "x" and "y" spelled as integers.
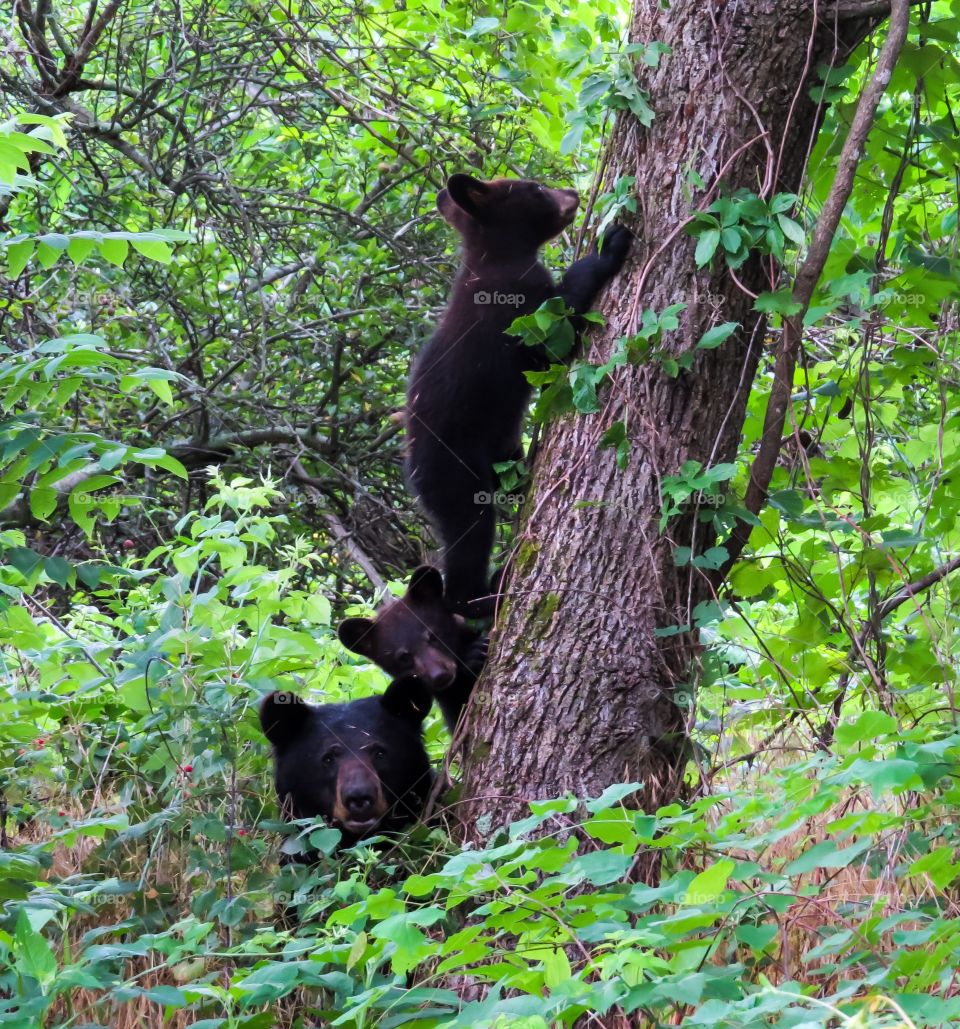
{"x": 359, "y": 803}
{"x": 569, "y": 202}
{"x": 439, "y": 677}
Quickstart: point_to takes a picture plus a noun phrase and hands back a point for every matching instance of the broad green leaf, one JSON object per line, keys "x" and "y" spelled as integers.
{"x": 115, "y": 251}
{"x": 709, "y": 884}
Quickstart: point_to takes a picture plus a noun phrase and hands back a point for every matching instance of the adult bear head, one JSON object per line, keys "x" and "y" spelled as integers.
{"x": 361, "y": 765}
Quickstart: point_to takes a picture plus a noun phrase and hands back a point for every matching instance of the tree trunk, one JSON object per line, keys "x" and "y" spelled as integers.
{"x": 580, "y": 689}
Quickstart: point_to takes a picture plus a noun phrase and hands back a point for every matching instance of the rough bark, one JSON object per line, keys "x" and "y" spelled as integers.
{"x": 580, "y": 688}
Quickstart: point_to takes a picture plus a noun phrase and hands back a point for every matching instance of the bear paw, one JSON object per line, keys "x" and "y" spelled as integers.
{"x": 616, "y": 245}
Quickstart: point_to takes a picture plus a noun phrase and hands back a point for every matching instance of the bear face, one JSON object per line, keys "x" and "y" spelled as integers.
{"x": 361, "y": 766}
{"x": 517, "y": 213}
{"x": 416, "y": 635}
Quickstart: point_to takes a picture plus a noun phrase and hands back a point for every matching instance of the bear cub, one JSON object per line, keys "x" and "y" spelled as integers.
{"x": 361, "y": 765}
{"x": 418, "y": 636}
{"x": 468, "y": 394}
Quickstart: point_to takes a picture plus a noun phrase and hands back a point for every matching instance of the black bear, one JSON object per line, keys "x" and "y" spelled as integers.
{"x": 468, "y": 393}
{"x": 418, "y": 635}
{"x": 361, "y": 766}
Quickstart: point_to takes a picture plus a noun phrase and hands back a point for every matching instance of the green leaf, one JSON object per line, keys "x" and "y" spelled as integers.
{"x": 616, "y": 436}
{"x": 481, "y": 27}
{"x": 791, "y": 229}
{"x": 155, "y": 250}
{"x": 79, "y": 249}
{"x": 115, "y": 251}
{"x": 599, "y": 867}
{"x": 58, "y": 569}
{"x": 47, "y": 256}
{"x": 18, "y": 256}
{"x": 706, "y": 247}
{"x": 34, "y": 957}
{"x": 869, "y": 726}
{"x": 171, "y": 464}
{"x": 89, "y": 574}
{"x": 757, "y": 937}
{"x": 612, "y": 796}
{"x": 828, "y": 854}
{"x": 26, "y": 561}
{"x": 781, "y": 302}
{"x": 162, "y": 389}
{"x": 53, "y": 125}
{"x": 709, "y": 884}
{"x": 168, "y": 996}
{"x": 43, "y": 502}
{"x": 712, "y": 338}
{"x": 112, "y": 457}
{"x": 583, "y": 388}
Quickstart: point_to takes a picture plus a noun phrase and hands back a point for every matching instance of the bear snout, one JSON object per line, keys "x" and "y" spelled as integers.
{"x": 435, "y": 670}
{"x": 568, "y": 200}
{"x": 360, "y": 803}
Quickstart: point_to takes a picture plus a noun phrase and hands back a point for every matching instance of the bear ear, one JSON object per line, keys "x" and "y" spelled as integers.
{"x": 426, "y": 585}
{"x": 470, "y": 194}
{"x": 282, "y": 717}
{"x": 408, "y": 699}
{"x": 356, "y": 634}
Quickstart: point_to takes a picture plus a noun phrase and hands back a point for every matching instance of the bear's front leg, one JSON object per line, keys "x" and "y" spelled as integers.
{"x": 585, "y": 278}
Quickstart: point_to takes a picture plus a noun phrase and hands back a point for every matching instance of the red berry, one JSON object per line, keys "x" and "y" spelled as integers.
{"x": 188, "y": 769}
{"x": 241, "y": 832}
{"x": 62, "y": 814}
{"x": 128, "y": 544}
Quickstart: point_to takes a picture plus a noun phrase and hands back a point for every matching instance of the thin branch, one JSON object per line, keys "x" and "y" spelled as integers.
{"x": 74, "y": 66}
{"x": 920, "y": 586}
{"x": 871, "y": 627}
{"x": 340, "y": 532}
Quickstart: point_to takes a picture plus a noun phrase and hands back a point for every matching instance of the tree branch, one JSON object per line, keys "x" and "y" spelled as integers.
{"x": 74, "y": 66}
{"x": 197, "y": 452}
{"x": 18, "y": 514}
{"x": 340, "y": 532}
{"x": 871, "y": 627}
{"x": 846, "y": 10}
{"x": 192, "y": 454}
{"x": 912, "y": 589}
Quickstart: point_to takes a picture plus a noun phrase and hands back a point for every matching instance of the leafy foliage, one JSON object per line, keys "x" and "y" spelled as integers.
{"x": 219, "y": 250}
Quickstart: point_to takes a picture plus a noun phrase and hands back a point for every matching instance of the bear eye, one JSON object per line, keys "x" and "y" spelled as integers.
{"x": 402, "y": 657}
{"x": 328, "y": 759}
{"x": 379, "y": 753}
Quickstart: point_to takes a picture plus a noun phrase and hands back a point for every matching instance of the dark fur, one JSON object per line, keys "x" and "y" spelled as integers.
{"x": 361, "y": 766}
{"x": 419, "y": 636}
{"x": 468, "y": 394}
